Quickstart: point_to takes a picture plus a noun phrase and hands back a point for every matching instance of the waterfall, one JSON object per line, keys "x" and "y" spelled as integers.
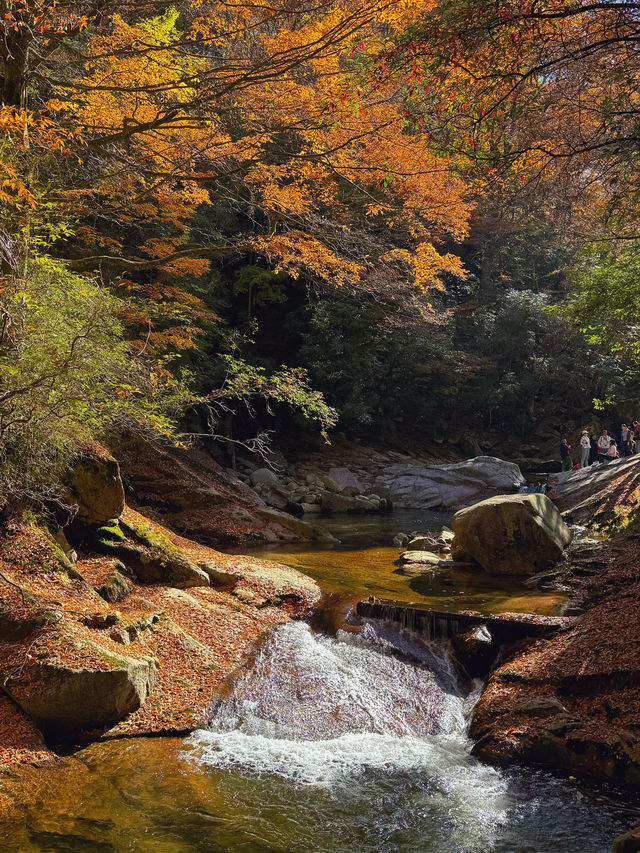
{"x": 360, "y": 740}
{"x": 319, "y": 710}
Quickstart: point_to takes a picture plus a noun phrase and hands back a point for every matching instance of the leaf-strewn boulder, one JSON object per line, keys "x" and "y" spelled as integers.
{"x": 510, "y": 534}
{"x": 63, "y": 698}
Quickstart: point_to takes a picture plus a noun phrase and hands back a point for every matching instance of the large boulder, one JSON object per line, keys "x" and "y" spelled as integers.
{"x": 448, "y": 486}
{"x": 153, "y": 557}
{"x": 606, "y": 494}
{"x": 96, "y": 488}
{"x": 264, "y": 477}
{"x": 343, "y": 478}
{"x": 63, "y": 699}
{"x": 511, "y": 534}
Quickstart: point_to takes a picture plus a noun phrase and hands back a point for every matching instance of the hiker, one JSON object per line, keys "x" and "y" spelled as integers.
{"x": 604, "y": 443}
{"x": 625, "y": 440}
{"x": 585, "y": 446}
{"x": 594, "y": 449}
{"x": 565, "y": 455}
{"x": 612, "y": 452}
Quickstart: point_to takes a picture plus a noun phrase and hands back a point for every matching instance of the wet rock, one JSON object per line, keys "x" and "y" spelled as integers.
{"x": 64, "y": 699}
{"x": 475, "y": 650}
{"x": 97, "y": 488}
{"x": 424, "y": 557}
{"x": 451, "y": 485}
{"x": 511, "y": 534}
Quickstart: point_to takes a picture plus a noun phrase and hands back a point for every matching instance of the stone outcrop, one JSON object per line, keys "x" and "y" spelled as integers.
{"x": 64, "y": 699}
{"x": 343, "y": 478}
{"x": 194, "y": 495}
{"x": 607, "y": 494}
{"x": 510, "y": 534}
{"x": 448, "y": 486}
{"x": 146, "y": 553}
{"x": 572, "y": 703}
{"x": 97, "y": 489}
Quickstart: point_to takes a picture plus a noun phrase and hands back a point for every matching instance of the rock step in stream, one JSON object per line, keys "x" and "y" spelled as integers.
{"x": 476, "y": 638}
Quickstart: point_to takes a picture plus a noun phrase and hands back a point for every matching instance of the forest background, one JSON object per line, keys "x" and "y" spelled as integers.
{"x": 396, "y": 220}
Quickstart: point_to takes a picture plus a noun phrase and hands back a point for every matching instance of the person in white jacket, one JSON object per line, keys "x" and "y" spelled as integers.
{"x": 585, "y": 446}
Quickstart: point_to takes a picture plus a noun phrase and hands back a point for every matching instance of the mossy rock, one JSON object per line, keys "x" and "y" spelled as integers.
{"x": 96, "y": 487}
{"x": 153, "y": 558}
{"x": 117, "y": 587}
{"x": 64, "y": 699}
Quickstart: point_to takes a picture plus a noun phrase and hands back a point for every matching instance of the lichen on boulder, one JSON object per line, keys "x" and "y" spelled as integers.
{"x": 64, "y": 698}
{"x": 96, "y": 487}
{"x": 510, "y": 534}
{"x": 150, "y": 555}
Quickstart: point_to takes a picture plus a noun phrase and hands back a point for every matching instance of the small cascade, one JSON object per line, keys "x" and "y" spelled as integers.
{"x": 358, "y": 742}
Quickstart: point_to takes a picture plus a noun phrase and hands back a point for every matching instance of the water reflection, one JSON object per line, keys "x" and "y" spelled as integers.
{"x": 364, "y": 564}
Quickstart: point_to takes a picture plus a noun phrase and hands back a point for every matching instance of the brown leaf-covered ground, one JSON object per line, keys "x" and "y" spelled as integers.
{"x": 198, "y": 635}
{"x": 572, "y": 703}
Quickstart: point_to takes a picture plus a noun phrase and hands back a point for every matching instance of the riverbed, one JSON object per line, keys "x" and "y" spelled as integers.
{"x": 326, "y": 741}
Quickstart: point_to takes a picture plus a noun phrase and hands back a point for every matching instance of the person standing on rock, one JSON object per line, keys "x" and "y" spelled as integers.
{"x": 585, "y": 447}
{"x": 604, "y": 443}
{"x": 594, "y": 450}
{"x": 625, "y": 440}
{"x": 565, "y": 455}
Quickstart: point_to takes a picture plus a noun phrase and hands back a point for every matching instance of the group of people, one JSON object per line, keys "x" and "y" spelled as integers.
{"x": 602, "y": 449}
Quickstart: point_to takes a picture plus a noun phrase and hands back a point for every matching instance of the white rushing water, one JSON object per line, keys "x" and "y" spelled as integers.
{"x": 326, "y": 711}
{"x": 355, "y": 741}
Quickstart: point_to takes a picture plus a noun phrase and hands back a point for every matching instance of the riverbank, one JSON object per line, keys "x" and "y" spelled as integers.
{"x": 66, "y": 629}
{"x": 572, "y": 703}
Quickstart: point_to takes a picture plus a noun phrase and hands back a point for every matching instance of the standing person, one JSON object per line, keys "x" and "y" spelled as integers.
{"x": 625, "y": 440}
{"x": 585, "y": 447}
{"x": 594, "y": 449}
{"x": 604, "y": 443}
{"x": 565, "y": 455}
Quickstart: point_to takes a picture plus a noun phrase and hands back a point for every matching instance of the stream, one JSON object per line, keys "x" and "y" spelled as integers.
{"x": 327, "y": 741}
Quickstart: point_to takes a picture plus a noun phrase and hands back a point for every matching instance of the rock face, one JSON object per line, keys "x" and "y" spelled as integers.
{"x": 448, "y": 486}
{"x": 343, "y": 478}
{"x": 572, "y": 703}
{"x": 606, "y": 494}
{"x": 65, "y": 699}
{"x": 197, "y": 497}
{"x": 510, "y": 534}
{"x": 97, "y": 488}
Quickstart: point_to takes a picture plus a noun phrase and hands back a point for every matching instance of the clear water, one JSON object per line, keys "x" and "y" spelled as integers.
{"x": 364, "y": 564}
{"x": 323, "y": 743}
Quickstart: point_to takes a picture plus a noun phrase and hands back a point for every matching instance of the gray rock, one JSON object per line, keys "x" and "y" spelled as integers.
{"x": 343, "y": 478}
{"x": 264, "y": 477}
{"x": 66, "y": 699}
{"x": 511, "y": 534}
{"x": 424, "y": 557}
{"x": 449, "y": 486}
